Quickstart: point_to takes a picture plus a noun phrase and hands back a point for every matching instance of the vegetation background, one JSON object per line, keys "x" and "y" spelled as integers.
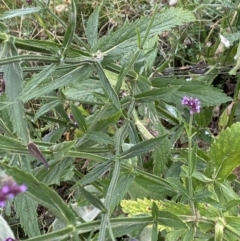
{"x": 92, "y": 120}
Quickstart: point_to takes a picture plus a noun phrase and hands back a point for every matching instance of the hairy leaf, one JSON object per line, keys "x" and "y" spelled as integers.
{"x": 77, "y": 74}
{"x": 13, "y": 78}
{"x": 141, "y": 148}
{"x": 125, "y": 39}
{"x": 208, "y": 95}
{"x": 224, "y": 153}
{"x": 43, "y": 194}
{"x": 25, "y": 209}
{"x": 92, "y": 27}
{"x": 19, "y": 12}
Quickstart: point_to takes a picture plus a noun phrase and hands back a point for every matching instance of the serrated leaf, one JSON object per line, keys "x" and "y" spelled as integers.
{"x": 77, "y": 74}
{"x": 156, "y": 94}
{"x": 13, "y": 78}
{"x": 224, "y": 153}
{"x": 109, "y": 91}
{"x": 8, "y": 144}
{"x": 92, "y": 27}
{"x": 43, "y": 194}
{"x": 70, "y": 30}
{"x": 125, "y": 39}
{"x": 5, "y": 231}
{"x": 46, "y": 107}
{"x": 22, "y": 205}
{"x": 37, "y": 80}
{"x": 208, "y": 95}
{"x": 141, "y": 148}
{"x": 19, "y": 12}
{"x": 78, "y": 117}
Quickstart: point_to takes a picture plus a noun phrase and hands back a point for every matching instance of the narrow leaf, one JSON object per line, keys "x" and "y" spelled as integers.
{"x": 78, "y": 117}
{"x": 92, "y": 27}
{"x": 43, "y": 194}
{"x": 141, "y": 148}
{"x": 13, "y": 78}
{"x": 19, "y": 12}
{"x": 109, "y": 91}
{"x": 38, "y": 79}
{"x": 78, "y": 74}
{"x": 46, "y": 107}
{"x": 92, "y": 199}
{"x": 156, "y": 94}
{"x": 69, "y": 34}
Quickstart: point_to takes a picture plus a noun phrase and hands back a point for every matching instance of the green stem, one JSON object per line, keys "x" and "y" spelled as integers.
{"x": 190, "y": 166}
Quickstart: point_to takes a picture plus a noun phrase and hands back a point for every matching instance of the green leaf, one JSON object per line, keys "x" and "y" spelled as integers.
{"x": 43, "y": 194}
{"x": 141, "y": 148}
{"x": 13, "y": 78}
{"x": 46, "y": 107}
{"x": 37, "y": 80}
{"x": 96, "y": 172}
{"x": 8, "y": 144}
{"x": 124, "y": 40}
{"x": 204, "y": 117}
{"x": 54, "y": 173}
{"x": 208, "y": 95}
{"x": 96, "y": 202}
{"x": 77, "y": 74}
{"x": 92, "y": 27}
{"x": 224, "y": 153}
{"x": 156, "y": 94}
{"x": 171, "y": 220}
{"x": 19, "y": 12}
{"x": 78, "y": 117}
{"x": 70, "y": 30}
{"x": 121, "y": 189}
{"x": 23, "y": 204}
{"x": 155, "y": 211}
{"x": 109, "y": 91}
{"x": 60, "y": 150}
{"x": 54, "y": 135}
{"x": 100, "y": 138}
{"x": 161, "y": 154}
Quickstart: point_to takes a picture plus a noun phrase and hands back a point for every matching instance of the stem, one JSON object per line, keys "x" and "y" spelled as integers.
{"x": 190, "y": 166}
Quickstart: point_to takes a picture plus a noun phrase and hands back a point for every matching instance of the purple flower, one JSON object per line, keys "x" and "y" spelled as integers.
{"x": 193, "y": 103}
{"x": 9, "y": 189}
{"x": 29, "y": 2}
{"x": 10, "y": 239}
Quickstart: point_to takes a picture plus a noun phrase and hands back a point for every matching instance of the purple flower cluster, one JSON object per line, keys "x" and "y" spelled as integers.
{"x": 9, "y": 189}
{"x": 193, "y": 103}
{"x": 10, "y": 239}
